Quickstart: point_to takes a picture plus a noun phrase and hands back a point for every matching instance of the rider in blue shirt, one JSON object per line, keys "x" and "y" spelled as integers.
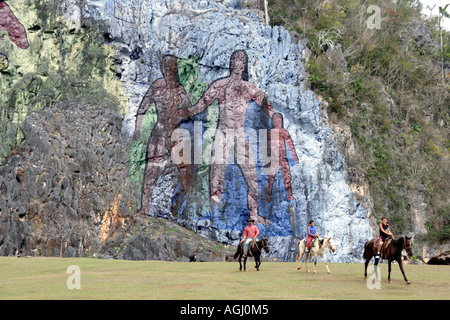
{"x": 312, "y": 233}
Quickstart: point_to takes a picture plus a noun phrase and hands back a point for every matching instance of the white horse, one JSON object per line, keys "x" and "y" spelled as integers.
{"x": 318, "y": 248}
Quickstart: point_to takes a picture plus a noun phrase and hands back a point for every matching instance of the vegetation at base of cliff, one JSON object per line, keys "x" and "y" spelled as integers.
{"x": 388, "y": 85}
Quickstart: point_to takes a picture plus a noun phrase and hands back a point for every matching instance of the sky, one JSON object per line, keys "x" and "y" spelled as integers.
{"x": 435, "y": 11}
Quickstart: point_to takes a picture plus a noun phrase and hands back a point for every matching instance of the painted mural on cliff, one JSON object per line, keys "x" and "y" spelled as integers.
{"x": 166, "y": 94}
{"x": 245, "y": 150}
{"x": 15, "y": 30}
{"x": 308, "y": 181}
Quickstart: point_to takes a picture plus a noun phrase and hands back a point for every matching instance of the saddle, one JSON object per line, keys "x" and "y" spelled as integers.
{"x": 305, "y": 241}
{"x": 250, "y": 245}
{"x": 384, "y": 247}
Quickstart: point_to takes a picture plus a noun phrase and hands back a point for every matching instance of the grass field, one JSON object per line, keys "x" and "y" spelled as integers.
{"x": 45, "y": 278}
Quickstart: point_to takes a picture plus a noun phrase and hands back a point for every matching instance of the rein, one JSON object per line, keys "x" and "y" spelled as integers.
{"x": 256, "y": 245}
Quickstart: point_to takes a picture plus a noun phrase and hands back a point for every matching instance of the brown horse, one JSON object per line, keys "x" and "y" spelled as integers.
{"x": 393, "y": 252}
{"x": 253, "y": 251}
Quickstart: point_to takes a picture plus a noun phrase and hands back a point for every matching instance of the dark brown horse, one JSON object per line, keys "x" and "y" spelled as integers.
{"x": 253, "y": 251}
{"x": 393, "y": 252}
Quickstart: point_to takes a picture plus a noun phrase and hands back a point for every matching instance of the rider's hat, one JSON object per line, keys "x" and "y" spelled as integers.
{"x": 251, "y": 219}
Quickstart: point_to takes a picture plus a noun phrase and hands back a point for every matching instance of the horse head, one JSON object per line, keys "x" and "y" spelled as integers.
{"x": 407, "y": 245}
{"x": 331, "y": 245}
{"x": 265, "y": 244}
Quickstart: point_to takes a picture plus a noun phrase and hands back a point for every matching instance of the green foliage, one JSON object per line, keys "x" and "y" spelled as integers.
{"x": 138, "y": 149}
{"x": 437, "y": 235}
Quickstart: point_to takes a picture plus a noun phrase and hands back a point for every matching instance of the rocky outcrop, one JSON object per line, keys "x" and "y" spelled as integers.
{"x": 66, "y": 184}
{"x": 442, "y": 259}
{"x": 437, "y": 253}
{"x": 159, "y": 239}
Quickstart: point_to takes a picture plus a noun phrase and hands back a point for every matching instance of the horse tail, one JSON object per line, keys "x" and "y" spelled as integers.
{"x": 298, "y": 254}
{"x": 366, "y": 254}
{"x": 236, "y": 255}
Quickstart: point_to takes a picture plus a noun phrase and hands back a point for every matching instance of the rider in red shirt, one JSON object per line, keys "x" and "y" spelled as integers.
{"x": 250, "y": 232}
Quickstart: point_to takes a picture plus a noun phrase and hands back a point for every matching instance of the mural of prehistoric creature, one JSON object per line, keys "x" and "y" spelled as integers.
{"x": 233, "y": 94}
{"x": 10, "y": 24}
{"x": 281, "y": 135}
{"x": 167, "y": 94}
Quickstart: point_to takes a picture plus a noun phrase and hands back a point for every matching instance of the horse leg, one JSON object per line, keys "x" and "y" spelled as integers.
{"x": 375, "y": 267}
{"x": 389, "y": 270}
{"x": 368, "y": 254}
{"x": 315, "y": 262}
{"x": 258, "y": 263}
{"x": 240, "y": 264}
{"x": 245, "y": 264}
{"x": 300, "y": 256}
{"x": 400, "y": 264}
{"x": 306, "y": 262}
{"x": 365, "y": 267}
{"x": 324, "y": 257}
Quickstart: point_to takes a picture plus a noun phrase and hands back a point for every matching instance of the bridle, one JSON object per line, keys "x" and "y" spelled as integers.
{"x": 407, "y": 246}
{"x": 330, "y": 247}
{"x": 265, "y": 245}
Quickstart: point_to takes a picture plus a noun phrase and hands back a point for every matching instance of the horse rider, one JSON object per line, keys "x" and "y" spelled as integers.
{"x": 251, "y": 231}
{"x": 312, "y": 234}
{"x": 385, "y": 232}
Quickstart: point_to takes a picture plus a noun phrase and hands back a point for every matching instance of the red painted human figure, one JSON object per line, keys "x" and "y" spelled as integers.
{"x": 282, "y": 135}
{"x": 9, "y": 23}
{"x": 167, "y": 94}
{"x": 233, "y": 94}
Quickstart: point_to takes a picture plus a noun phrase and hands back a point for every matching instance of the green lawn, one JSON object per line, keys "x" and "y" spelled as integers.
{"x": 45, "y": 278}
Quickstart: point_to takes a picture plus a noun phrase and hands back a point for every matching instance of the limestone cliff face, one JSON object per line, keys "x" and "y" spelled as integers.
{"x": 66, "y": 187}
{"x": 202, "y": 36}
